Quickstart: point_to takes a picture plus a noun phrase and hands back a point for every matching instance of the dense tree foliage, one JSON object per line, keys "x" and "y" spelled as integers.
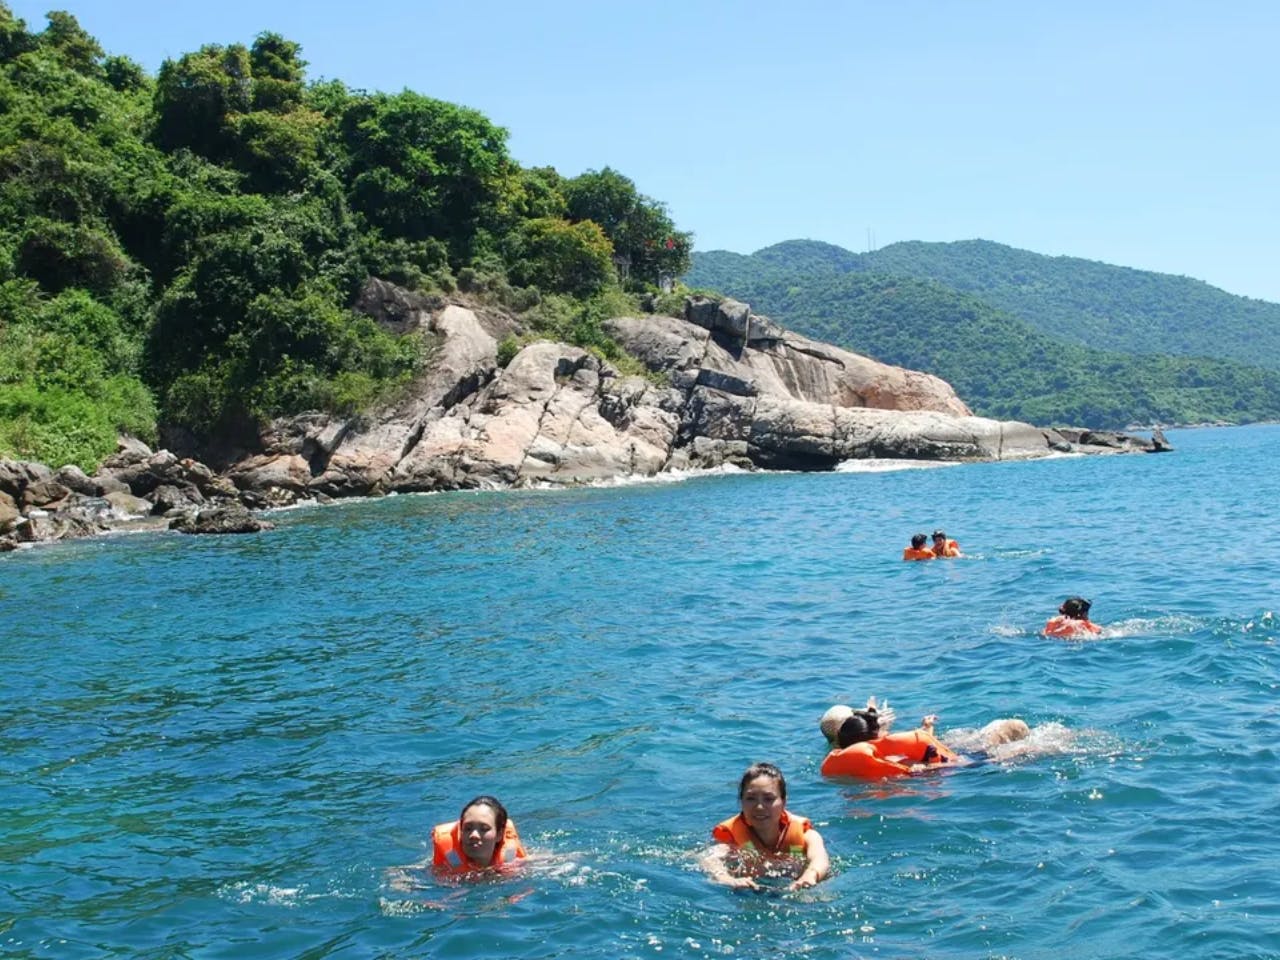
{"x": 648, "y": 249}
{"x": 1000, "y": 365}
{"x": 184, "y": 250}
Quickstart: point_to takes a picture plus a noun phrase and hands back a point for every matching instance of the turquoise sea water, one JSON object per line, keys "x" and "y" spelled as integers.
{"x": 225, "y": 747}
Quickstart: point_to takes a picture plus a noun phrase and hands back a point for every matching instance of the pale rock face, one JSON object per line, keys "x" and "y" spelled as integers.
{"x": 742, "y": 390}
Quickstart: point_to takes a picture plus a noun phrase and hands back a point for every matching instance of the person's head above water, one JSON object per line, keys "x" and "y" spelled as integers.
{"x": 833, "y": 719}
{"x": 763, "y": 771}
{"x": 918, "y": 541}
{"x": 860, "y": 725}
{"x": 1077, "y": 608}
{"x": 481, "y": 824}
{"x": 939, "y": 535}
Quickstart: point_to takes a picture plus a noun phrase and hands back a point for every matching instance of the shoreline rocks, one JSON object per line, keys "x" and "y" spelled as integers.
{"x": 722, "y": 386}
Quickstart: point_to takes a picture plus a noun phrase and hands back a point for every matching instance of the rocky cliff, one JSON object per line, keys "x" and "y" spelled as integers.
{"x": 724, "y": 386}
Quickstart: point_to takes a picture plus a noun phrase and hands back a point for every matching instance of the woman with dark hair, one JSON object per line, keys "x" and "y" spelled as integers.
{"x": 943, "y": 547}
{"x": 1072, "y": 619}
{"x": 917, "y": 550}
{"x": 765, "y": 838}
{"x": 862, "y": 745}
{"x": 483, "y": 836}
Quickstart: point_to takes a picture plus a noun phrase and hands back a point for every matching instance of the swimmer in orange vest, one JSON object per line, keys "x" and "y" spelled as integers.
{"x": 942, "y": 547}
{"x": 862, "y": 745}
{"x": 765, "y": 838}
{"x": 917, "y": 550}
{"x": 1072, "y": 620}
{"x": 481, "y": 838}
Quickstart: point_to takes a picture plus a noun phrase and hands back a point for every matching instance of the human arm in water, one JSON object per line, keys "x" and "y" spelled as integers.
{"x": 716, "y": 864}
{"x": 819, "y": 864}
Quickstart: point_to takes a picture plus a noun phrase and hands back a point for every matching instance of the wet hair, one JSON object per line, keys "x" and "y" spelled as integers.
{"x": 939, "y": 535}
{"x": 499, "y": 812}
{"x": 1075, "y": 607}
{"x": 763, "y": 770}
{"x": 863, "y": 725}
{"x": 918, "y": 540}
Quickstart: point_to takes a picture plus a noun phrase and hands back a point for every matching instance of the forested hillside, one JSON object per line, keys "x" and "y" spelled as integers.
{"x": 1000, "y": 365}
{"x": 184, "y": 249}
{"x": 1096, "y": 304}
{"x": 1081, "y": 301}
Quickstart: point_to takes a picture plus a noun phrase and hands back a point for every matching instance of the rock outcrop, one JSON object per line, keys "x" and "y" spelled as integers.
{"x": 723, "y": 386}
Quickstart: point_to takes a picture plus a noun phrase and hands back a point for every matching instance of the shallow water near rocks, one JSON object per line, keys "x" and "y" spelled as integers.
{"x": 226, "y": 747}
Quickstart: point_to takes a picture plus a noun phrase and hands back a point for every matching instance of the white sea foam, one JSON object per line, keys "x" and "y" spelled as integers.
{"x": 890, "y": 464}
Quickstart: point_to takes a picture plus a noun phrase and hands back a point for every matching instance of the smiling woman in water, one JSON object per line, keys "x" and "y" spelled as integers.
{"x": 482, "y": 837}
{"x": 766, "y": 839}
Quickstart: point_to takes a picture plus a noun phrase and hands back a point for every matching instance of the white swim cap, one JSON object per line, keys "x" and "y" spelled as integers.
{"x": 833, "y": 719}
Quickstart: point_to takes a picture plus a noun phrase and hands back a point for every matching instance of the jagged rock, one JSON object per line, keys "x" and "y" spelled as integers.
{"x": 168, "y": 497}
{"x": 41, "y": 525}
{"x": 366, "y": 458}
{"x": 43, "y": 493}
{"x": 17, "y": 475}
{"x": 74, "y": 479}
{"x": 395, "y": 308}
{"x": 129, "y": 450}
{"x": 230, "y": 518}
{"x": 125, "y": 505}
{"x": 9, "y": 513}
{"x": 793, "y": 367}
{"x": 732, "y": 318}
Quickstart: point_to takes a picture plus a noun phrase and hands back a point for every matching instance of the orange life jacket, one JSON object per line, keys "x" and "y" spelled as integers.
{"x": 1064, "y": 626}
{"x": 949, "y": 549}
{"x": 889, "y": 756}
{"x": 738, "y": 834}
{"x": 911, "y": 553}
{"x": 447, "y": 855}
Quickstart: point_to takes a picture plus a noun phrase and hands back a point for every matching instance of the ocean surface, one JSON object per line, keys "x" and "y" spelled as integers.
{"x": 237, "y": 746}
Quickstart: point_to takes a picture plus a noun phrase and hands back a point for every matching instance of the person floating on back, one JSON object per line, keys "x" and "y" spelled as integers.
{"x": 765, "y": 838}
{"x": 482, "y": 837}
{"x": 1072, "y": 620}
{"x": 862, "y": 748}
{"x": 942, "y": 547}
{"x": 862, "y": 745}
{"x": 917, "y": 550}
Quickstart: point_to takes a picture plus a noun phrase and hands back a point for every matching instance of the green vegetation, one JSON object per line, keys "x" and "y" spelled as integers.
{"x": 184, "y": 250}
{"x": 999, "y": 362}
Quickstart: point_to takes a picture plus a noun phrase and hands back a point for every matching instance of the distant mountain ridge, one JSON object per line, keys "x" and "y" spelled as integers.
{"x": 1008, "y": 329}
{"x": 1081, "y": 301}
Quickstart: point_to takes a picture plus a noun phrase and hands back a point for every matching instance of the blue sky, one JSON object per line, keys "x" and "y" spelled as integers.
{"x": 1138, "y": 133}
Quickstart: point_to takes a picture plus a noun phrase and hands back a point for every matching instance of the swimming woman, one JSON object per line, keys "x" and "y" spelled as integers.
{"x": 765, "y": 838}
{"x": 481, "y": 838}
{"x": 942, "y": 547}
{"x": 862, "y": 746}
{"x": 917, "y": 550}
{"x": 1072, "y": 620}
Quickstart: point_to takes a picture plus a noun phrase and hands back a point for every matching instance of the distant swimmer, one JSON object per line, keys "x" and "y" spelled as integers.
{"x": 944, "y": 548}
{"x": 765, "y": 838}
{"x": 482, "y": 837}
{"x": 862, "y": 746}
{"x": 1072, "y": 620}
{"x": 917, "y": 550}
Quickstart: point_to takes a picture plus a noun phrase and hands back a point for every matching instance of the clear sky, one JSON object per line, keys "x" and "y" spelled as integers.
{"x": 1139, "y": 133}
